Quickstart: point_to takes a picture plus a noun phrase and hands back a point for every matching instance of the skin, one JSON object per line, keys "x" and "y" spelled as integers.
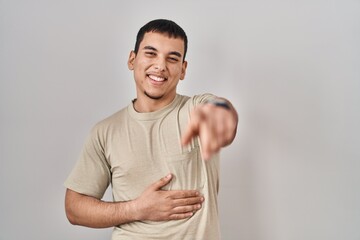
{"x": 158, "y": 67}
{"x": 158, "y": 57}
{"x": 153, "y": 204}
{"x": 215, "y": 126}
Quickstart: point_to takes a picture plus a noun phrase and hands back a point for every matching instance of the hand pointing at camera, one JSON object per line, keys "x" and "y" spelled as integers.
{"x": 215, "y": 124}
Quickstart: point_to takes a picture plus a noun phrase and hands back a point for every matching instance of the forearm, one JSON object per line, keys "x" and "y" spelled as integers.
{"x": 91, "y": 212}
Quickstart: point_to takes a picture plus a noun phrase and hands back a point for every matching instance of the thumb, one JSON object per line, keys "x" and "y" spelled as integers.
{"x": 162, "y": 182}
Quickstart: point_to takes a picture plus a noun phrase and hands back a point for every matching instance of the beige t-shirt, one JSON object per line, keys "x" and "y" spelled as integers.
{"x": 131, "y": 150}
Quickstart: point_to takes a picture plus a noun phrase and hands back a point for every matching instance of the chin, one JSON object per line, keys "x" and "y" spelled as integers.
{"x": 154, "y": 97}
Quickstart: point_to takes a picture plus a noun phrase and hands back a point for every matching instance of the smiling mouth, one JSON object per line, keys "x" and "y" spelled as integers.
{"x": 157, "y": 78}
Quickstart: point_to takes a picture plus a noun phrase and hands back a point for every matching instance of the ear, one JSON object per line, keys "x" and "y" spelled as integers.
{"x": 131, "y": 60}
{"x": 183, "y": 70}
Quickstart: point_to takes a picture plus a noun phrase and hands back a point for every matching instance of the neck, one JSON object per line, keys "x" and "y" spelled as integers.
{"x": 150, "y": 105}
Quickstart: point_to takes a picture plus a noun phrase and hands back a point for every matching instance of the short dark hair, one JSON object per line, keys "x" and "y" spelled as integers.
{"x": 164, "y": 26}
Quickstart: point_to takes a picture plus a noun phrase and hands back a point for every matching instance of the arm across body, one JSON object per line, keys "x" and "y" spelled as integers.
{"x": 153, "y": 204}
{"x": 91, "y": 212}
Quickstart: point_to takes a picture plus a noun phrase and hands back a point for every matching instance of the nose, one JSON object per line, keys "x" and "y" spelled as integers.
{"x": 160, "y": 64}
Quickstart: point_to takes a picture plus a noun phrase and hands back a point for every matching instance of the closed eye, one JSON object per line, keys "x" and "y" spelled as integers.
{"x": 173, "y": 59}
{"x": 150, "y": 53}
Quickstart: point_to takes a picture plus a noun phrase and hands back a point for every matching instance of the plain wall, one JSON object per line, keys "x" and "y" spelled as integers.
{"x": 291, "y": 68}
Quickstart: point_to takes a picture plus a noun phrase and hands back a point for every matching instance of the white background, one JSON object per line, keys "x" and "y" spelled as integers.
{"x": 291, "y": 68}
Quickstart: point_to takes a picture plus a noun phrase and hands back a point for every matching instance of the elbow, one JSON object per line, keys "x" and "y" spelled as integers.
{"x": 71, "y": 218}
{"x": 70, "y": 215}
{"x": 70, "y": 208}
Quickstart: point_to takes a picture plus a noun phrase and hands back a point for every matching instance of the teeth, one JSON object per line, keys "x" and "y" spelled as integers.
{"x": 156, "y": 78}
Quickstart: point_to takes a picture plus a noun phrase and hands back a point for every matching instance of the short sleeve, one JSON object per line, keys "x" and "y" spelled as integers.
{"x": 202, "y": 98}
{"x": 91, "y": 175}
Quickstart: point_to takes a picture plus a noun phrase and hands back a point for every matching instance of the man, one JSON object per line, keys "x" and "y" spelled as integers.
{"x": 160, "y": 153}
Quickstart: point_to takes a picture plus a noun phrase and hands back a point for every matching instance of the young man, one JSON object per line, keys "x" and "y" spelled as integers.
{"x": 160, "y": 153}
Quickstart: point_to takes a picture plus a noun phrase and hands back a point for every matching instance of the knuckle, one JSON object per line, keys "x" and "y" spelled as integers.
{"x": 194, "y": 208}
{"x": 176, "y": 217}
{"x": 172, "y": 205}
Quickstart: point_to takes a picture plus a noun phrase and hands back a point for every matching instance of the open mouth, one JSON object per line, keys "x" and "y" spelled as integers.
{"x": 157, "y": 78}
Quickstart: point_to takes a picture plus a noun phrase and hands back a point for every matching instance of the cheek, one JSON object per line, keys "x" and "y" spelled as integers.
{"x": 141, "y": 64}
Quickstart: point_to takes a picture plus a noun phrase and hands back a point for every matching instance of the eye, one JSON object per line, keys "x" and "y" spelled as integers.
{"x": 173, "y": 59}
{"x": 150, "y": 54}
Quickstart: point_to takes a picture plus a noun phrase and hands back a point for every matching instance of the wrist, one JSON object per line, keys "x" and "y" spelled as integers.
{"x": 134, "y": 210}
{"x": 126, "y": 212}
{"x": 219, "y": 103}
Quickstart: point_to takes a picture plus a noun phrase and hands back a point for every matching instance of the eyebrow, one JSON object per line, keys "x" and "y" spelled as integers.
{"x": 170, "y": 53}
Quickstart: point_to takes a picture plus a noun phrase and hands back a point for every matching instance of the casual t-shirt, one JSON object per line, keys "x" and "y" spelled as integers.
{"x": 131, "y": 150}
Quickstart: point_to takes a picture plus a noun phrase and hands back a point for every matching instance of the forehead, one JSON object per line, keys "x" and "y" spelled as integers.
{"x": 162, "y": 42}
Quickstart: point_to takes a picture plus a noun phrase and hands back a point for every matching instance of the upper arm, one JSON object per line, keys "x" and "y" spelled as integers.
{"x": 91, "y": 175}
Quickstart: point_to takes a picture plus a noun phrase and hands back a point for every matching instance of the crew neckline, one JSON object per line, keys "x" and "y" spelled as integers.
{"x": 146, "y": 116}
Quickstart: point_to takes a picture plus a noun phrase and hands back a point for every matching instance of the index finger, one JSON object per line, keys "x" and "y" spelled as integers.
{"x": 192, "y": 129}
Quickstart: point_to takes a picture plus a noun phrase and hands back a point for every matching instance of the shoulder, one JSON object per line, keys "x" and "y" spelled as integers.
{"x": 197, "y": 99}
{"x": 186, "y": 104}
{"x": 110, "y": 122}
